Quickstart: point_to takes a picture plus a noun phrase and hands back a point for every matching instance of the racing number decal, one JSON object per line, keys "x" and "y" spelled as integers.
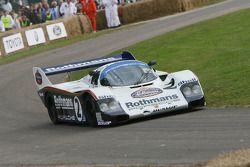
{"x": 78, "y": 110}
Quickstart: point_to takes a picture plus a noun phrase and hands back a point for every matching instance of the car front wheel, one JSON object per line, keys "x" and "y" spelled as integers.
{"x": 91, "y": 108}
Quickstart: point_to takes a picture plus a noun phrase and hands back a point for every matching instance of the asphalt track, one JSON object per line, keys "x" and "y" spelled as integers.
{"x": 28, "y": 137}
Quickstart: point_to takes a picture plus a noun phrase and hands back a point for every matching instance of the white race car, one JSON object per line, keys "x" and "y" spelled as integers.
{"x": 120, "y": 89}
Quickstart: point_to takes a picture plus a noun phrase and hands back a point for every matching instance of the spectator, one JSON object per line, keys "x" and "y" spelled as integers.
{"x": 19, "y": 15}
{"x": 2, "y": 29}
{"x": 7, "y": 6}
{"x": 39, "y": 11}
{"x": 25, "y": 22}
{"x": 7, "y": 21}
{"x": 89, "y": 9}
{"x": 44, "y": 8}
{"x": 68, "y": 8}
{"x": 60, "y": 2}
{"x": 111, "y": 13}
{"x": 116, "y": 20}
{"x": 98, "y": 4}
{"x": 79, "y": 7}
{"x": 54, "y": 10}
{"x": 48, "y": 16}
{"x": 26, "y": 11}
{"x": 44, "y": 2}
{"x": 35, "y": 16}
{"x": 16, "y": 20}
{"x": 74, "y": 2}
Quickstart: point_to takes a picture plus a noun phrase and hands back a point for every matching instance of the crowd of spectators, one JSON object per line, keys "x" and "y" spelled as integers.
{"x": 42, "y": 12}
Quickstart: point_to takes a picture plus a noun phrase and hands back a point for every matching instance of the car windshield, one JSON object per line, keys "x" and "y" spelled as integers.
{"x": 126, "y": 74}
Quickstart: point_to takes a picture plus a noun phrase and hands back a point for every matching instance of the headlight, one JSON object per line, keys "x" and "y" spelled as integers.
{"x": 103, "y": 107}
{"x": 109, "y": 105}
{"x": 114, "y": 105}
{"x": 196, "y": 89}
{"x": 187, "y": 91}
{"x": 192, "y": 89}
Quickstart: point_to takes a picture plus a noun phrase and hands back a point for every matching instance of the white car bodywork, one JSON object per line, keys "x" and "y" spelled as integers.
{"x": 167, "y": 92}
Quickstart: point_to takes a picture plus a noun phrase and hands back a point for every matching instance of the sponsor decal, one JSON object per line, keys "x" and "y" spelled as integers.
{"x": 186, "y": 81}
{"x": 35, "y": 36}
{"x": 78, "y": 110}
{"x": 105, "y": 97}
{"x": 80, "y": 64}
{"x": 165, "y": 108}
{"x": 13, "y": 43}
{"x": 57, "y": 30}
{"x": 146, "y": 92}
{"x": 39, "y": 79}
{"x": 152, "y": 102}
{"x": 63, "y": 103}
{"x": 100, "y": 121}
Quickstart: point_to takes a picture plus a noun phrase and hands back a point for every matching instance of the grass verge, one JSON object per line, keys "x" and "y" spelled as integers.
{"x": 216, "y": 50}
{"x": 239, "y": 158}
{"x": 212, "y": 2}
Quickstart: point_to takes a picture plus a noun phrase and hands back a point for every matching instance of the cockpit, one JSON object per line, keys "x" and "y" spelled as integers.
{"x": 126, "y": 73}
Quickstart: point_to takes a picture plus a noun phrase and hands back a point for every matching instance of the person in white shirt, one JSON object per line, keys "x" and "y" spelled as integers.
{"x": 7, "y": 6}
{"x": 111, "y": 13}
{"x": 68, "y": 8}
{"x": 16, "y": 20}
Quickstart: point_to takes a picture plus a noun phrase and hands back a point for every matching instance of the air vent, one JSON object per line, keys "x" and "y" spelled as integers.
{"x": 163, "y": 77}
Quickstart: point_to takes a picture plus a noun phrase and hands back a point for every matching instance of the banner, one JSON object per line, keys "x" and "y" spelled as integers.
{"x": 13, "y": 43}
{"x": 35, "y": 36}
{"x": 56, "y": 31}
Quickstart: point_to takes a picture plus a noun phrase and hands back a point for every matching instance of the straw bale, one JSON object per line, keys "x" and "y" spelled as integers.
{"x": 72, "y": 26}
{"x": 85, "y": 24}
{"x": 101, "y": 22}
{"x": 149, "y": 9}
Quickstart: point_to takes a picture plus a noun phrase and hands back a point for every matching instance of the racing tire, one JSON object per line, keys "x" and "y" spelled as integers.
{"x": 52, "y": 111}
{"x": 90, "y": 108}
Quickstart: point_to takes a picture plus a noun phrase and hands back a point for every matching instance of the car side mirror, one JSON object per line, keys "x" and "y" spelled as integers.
{"x": 152, "y": 63}
{"x": 92, "y": 73}
{"x": 95, "y": 76}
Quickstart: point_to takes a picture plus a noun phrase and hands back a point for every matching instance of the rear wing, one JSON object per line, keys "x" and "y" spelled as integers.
{"x": 87, "y": 64}
{"x": 40, "y": 74}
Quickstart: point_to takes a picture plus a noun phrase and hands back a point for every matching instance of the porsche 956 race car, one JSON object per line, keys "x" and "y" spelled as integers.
{"x": 120, "y": 89}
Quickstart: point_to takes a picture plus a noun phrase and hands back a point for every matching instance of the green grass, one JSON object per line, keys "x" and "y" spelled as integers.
{"x": 218, "y": 51}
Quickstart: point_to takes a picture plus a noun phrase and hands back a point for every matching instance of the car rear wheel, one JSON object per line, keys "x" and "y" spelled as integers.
{"x": 91, "y": 108}
{"x": 52, "y": 111}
